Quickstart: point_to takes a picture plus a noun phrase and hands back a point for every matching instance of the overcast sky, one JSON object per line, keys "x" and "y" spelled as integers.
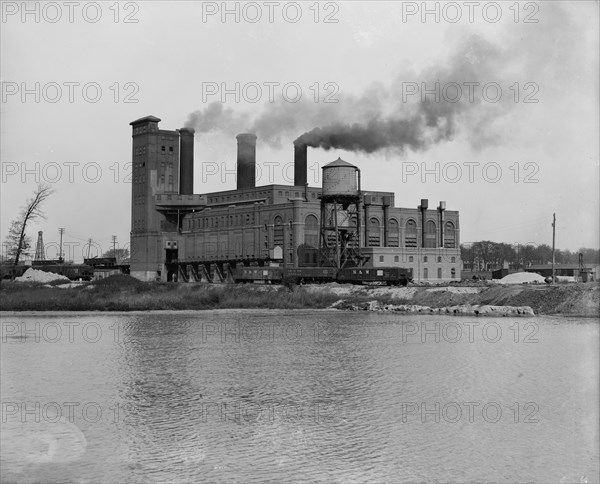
{"x": 510, "y": 136}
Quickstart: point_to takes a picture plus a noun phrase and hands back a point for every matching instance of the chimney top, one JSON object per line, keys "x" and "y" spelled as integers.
{"x": 246, "y": 137}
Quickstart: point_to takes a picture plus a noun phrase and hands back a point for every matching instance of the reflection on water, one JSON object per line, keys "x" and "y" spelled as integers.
{"x": 305, "y": 396}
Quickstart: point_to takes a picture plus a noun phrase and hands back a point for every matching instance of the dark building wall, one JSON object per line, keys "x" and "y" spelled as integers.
{"x": 155, "y": 169}
{"x": 248, "y": 230}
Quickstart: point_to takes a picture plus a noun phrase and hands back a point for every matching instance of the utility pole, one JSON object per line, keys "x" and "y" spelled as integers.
{"x": 89, "y": 247}
{"x": 114, "y": 241}
{"x": 61, "y": 231}
{"x": 553, "y": 240}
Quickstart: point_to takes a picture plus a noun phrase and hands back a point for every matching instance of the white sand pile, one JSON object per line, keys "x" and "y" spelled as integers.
{"x": 522, "y": 277}
{"x": 33, "y": 275}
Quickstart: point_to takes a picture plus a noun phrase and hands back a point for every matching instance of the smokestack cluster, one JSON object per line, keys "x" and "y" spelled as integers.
{"x": 186, "y": 161}
{"x": 246, "y": 160}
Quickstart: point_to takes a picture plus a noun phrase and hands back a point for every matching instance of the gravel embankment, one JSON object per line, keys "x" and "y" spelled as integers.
{"x": 567, "y": 299}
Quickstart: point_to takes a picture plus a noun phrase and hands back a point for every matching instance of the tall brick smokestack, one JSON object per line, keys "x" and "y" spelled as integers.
{"x": 246, "y": 160}
{"x": 186, "y": 161}
{"x": 300, "y": 164}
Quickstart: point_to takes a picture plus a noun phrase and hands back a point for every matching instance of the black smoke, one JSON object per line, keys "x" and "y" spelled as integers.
{"x": 416, "y": 132}
{"x": 381, "y": 118}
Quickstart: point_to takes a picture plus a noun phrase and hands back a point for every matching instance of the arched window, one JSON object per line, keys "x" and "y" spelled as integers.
{"x": 430, "y": 235}
{"x": 449, "y": 236}
{"x": 393, "y": 237}
{"x": 278, "y": 232}
{"x": 311, "y": 223}
{"x": 374, "y": 233}
{"x": 311, "y": 231}
{"x": 410, "y": 237}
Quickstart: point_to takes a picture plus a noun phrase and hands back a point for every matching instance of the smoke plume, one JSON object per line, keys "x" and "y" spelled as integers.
{"x": 382, "y": 118}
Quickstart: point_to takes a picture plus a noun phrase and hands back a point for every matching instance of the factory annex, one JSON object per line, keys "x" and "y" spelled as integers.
{"x": 179, "y": 235}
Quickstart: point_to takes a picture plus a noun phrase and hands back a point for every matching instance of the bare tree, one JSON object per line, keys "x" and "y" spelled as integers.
{"x": 119, "y": 254}
{"x": 17, "y": 241}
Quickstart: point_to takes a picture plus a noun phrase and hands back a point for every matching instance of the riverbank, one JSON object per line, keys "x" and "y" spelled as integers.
{"x": 478, "y": 299}
{"x": 124, "y": 293}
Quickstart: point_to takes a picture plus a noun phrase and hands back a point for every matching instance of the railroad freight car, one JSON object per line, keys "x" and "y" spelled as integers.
{"x": 265, "y": 275}
{"x": 10, "y": 271}
{"x": 306, "y": 275}
{"x": 392, "y": 276}
{"x": 74, "y": 272}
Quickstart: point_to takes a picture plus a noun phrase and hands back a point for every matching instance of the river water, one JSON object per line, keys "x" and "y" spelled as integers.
{"x": 298, "y": 396}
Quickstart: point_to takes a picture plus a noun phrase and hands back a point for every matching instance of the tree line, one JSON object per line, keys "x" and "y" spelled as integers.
{"x": 488, "y": 255}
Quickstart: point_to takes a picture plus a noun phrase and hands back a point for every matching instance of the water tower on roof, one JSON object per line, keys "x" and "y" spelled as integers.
{"x": 339, "y": 244}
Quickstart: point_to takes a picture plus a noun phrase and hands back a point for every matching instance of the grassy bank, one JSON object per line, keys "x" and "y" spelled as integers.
{"x": 124, "y": 293}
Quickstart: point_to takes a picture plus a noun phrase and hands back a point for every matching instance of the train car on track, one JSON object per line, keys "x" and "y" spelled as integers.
{"x": 305, "y": 275}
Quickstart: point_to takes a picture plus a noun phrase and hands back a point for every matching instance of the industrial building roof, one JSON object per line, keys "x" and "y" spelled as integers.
{"x": 339, "y": 162}
{"x": 145, "y": 119}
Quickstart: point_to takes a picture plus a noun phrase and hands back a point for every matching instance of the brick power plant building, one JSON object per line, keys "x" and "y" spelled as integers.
{"x": 179, "y": 235}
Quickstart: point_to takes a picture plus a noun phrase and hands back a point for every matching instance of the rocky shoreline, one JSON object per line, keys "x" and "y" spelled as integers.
{"x": 481, "y": 299}
{"x": 461, "y": 309}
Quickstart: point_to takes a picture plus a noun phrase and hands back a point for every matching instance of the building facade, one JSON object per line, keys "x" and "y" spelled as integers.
{"x": 179, "y": 235}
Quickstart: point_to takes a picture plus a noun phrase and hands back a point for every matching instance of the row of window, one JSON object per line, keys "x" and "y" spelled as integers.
{"x": 141, "y": 150}
{"x": 222, "y": 221}
{"x": 146, "y": 128}
{"x": 412, "y": 259}
{"x": 439, "y": 273}
{"x": 430, "y": 234}
{"x": 241, "y": 196}
{"x": 410, "y": 234}
{"x": 296, "y": 194}
{"x": 248, "y": 196}
{"x": 139, "y": 224}
{"x": 312, "y": 228}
